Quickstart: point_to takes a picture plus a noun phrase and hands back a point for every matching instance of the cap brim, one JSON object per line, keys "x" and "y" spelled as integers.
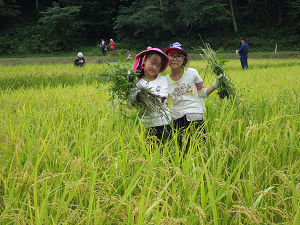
{"x": 169, "y": 49}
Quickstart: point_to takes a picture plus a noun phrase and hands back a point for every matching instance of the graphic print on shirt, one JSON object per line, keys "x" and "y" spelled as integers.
{"x": 157, "y": 90}
{"x": 181, "y": 90}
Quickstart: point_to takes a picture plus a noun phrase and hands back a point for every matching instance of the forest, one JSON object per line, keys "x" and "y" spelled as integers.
{"x": 48, "y": 26}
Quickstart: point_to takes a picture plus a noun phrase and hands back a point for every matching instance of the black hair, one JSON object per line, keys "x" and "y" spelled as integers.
{"x": 185, "y": 60}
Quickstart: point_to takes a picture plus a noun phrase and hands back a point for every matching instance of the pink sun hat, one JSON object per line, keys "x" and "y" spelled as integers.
{"x": 139, "y": 59}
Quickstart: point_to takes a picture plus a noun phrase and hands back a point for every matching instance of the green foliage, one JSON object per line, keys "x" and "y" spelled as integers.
{"x": 121, "y": 80}
{"x": 202, "y": 14}
{"x": 24, "y": 40}
{"x": 294, "y": 12}
{"x": 9, "y": 8}
{"x": 28, "y": 28}
{"x": 216, "y": 62}
{"x": 8, "y": 11}
{"x": 61, "y": 26}
{"x": 140, "y": 19}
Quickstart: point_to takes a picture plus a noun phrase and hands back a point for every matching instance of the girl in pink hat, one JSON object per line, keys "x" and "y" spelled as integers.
{"x": 148, "y": 64}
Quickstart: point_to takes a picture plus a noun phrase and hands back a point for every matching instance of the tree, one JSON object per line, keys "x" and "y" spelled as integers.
{"x": 294, "y": 11}
{"x": 153, "y": 21}
{"x": 60, "y": 26}
{"x": 233, "y": 16}
{"x": 144, "y": 20}
{"x": 203, "y": 14}
{"x": 8, "y": 10}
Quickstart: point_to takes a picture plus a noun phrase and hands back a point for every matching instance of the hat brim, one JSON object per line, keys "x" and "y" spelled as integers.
{"x": 177, "y": 49}
{"x": 141, "y": 54}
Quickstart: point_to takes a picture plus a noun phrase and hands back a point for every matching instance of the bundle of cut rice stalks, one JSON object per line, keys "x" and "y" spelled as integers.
{"x": 216, "y": 62}
{"x": 121, "y": 79}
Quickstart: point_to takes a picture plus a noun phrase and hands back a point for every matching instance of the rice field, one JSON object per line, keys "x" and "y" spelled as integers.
{"x": 69, "y": 157}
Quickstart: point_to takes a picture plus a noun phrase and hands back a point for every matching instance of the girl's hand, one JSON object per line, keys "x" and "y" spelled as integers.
{"x": 133, "y": 93}
{"x": 217, "y": 81}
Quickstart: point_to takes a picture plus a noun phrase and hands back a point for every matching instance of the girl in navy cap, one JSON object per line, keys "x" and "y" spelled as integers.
{"x": 185, "y": 87}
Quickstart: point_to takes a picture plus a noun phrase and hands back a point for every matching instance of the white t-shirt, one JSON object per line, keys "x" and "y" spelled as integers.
{"x": 184, "y": 92}
{"x": 159, "y": 87}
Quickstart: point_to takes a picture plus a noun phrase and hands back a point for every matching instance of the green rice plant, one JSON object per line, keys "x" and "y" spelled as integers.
{"x": 216, "y": 62}
{"x": 121, "y": 80}
{"x": 68, "y": 158}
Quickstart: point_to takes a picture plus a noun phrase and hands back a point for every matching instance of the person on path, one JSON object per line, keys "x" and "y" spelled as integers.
{"x": 243, "y": 51}
{"x": 103, "y": 47}
{"x": 111, "y": 45}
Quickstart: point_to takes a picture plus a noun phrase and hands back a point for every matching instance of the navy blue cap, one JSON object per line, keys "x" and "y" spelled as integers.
{"x": 176, "y": 46}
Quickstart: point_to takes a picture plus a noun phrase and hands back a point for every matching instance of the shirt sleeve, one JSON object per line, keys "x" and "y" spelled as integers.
{"x": 199, "y": 83}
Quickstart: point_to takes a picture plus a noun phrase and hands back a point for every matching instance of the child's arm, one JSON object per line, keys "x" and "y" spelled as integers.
{"x": 205, "y": 92}
{"x": 202, "y": 91}
{"x": 132, "y": 97}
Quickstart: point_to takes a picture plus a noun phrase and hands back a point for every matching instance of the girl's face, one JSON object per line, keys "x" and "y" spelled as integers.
{"x": 176, "y": 59}
{"x": 152, "y": 66}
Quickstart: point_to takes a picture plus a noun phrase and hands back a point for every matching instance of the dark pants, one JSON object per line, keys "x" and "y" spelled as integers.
{"x": 182, "y": 124}
{"x": 103, "y": 51}
{"x": 162, "y": 133}
{"x": 244, "y": 62}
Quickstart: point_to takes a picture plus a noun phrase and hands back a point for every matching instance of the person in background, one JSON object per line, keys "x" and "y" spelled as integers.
{"x": 186, "y": 89}
{"x": 111, "y": 45}
{"x": 79, "y": 60}
{"x": 243, "y": 51}
{"x": 103, "y": 47}
{"x": 148, "y": 64}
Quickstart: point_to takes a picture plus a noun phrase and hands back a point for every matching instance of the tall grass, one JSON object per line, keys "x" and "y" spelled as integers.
{"x": 48, "y": 75}
{"x": 68, "y": 157}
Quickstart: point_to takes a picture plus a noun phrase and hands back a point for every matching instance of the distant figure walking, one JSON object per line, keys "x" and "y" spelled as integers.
{"x": 103, "y": 47}
{"x": 79, "y": 60}
{"x": 243, "y": 51}
{"x": 111, "y": 45}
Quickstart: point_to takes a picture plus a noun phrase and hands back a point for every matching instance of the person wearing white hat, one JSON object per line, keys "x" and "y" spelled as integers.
{"x": 79, "y": 60}
{"x": 111, "y": 45}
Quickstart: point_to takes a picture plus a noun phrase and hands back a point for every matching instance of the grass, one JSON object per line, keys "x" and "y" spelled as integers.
{"x": 68, "y": 157}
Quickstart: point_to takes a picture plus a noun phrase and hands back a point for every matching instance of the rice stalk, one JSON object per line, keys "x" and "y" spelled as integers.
{"x": 216, "y": 62}
{"x": 120, "y": 79}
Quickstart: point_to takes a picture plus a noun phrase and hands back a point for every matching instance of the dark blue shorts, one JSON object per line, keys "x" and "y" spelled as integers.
{"x": 162, "y": 133}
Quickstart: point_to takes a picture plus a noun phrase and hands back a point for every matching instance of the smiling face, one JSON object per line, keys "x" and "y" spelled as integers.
{"x": 176, "y": 59}
{"x": 152, "y": 66}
